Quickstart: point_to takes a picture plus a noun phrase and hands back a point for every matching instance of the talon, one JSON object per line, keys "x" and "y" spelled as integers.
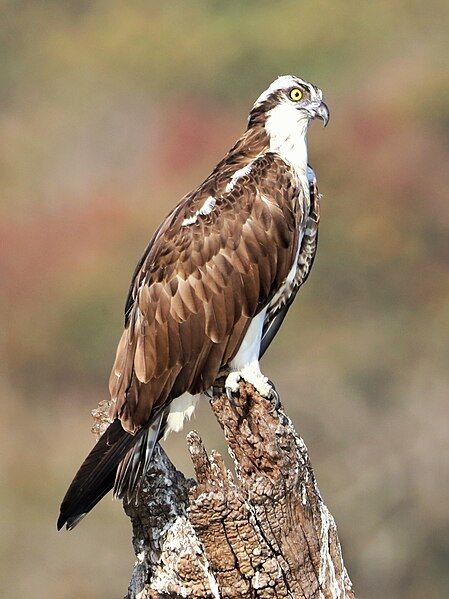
{"x": 232, "y": 387}
{"x": 232, "y": 399}
{"x": 229, "y": 394}
{"x": 274, "y": 396}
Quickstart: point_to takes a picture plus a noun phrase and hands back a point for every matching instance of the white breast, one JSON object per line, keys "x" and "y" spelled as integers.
{"x": 287, "y": 130}
{"x": 181, "y": 407}
{"x": 250, "y": 347}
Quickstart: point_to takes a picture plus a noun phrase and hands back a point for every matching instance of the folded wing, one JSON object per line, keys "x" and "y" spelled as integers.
{"x": 205, "y": 275}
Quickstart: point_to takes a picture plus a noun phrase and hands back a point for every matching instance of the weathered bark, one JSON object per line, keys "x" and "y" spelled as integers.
{"x": 262, "y": 533}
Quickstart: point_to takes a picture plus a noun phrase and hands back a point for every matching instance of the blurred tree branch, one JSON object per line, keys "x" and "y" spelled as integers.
{"x": 264, "y": 533}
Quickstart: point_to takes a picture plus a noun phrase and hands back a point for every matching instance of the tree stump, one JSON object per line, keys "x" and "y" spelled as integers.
{"x": 264, "y": 532}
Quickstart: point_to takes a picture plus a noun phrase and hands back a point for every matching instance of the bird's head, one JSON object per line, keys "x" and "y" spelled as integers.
{"x": 288, "y": 106}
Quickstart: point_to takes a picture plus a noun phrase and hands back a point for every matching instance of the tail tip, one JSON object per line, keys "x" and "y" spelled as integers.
{"x": 61, "y": 520}
{"x": 69, "y": 521}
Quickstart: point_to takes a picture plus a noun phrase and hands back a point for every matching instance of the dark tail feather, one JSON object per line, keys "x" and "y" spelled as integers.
{"x": 119, "y": 460}
{"x": 137, "y": 461}
{"x": 96, "y": 475}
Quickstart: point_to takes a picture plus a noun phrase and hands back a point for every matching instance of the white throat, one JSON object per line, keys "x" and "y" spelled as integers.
{"x": 287, "y": 131}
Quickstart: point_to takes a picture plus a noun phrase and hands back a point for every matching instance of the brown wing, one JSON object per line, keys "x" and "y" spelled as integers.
{"x": 199, "y": 286}
{"x": 276, "y": 313}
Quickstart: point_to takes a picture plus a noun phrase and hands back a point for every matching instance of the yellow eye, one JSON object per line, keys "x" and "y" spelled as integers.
{"x": 296, "y": 94}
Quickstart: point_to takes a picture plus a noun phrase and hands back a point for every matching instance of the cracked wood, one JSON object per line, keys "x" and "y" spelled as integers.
{"x": 263, "y": 532}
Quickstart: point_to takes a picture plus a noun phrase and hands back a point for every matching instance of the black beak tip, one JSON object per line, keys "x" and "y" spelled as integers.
{"x": 323, "y": 113}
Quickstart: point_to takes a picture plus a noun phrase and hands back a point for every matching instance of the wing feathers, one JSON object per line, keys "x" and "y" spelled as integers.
{"x": 200, "y": 285}
{"x": 192, "y": 298}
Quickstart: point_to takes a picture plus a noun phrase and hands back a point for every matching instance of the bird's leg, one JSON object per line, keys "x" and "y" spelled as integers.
{"x": 251, "y": 374}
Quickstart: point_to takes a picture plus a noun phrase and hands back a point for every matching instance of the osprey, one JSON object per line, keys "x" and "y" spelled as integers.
{"x": 211, "y": 290}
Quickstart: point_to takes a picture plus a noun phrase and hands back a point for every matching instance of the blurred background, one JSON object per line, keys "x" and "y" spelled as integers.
{"x": 110, "y": 112}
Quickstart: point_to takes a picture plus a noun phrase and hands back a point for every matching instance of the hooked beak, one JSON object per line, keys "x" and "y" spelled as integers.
{"x": 322, "y": 112}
